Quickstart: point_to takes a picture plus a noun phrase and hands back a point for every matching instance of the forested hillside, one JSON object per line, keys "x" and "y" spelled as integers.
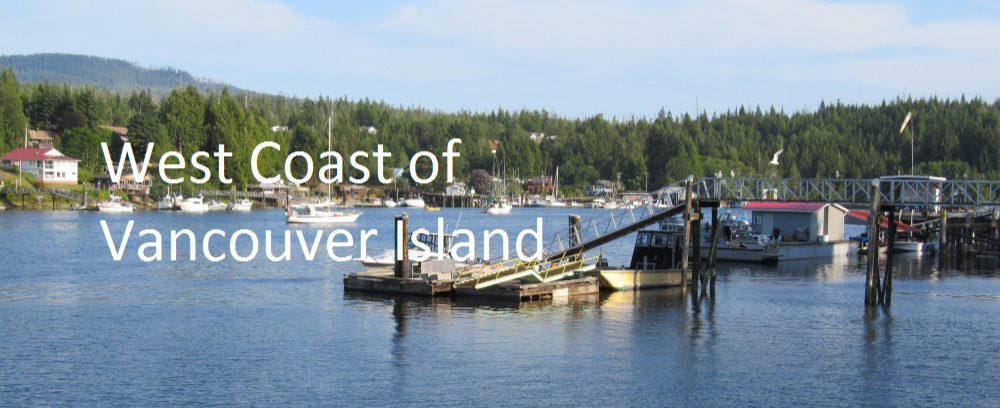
{"x": 105, "y": 73}
{"x": 954, "y": 138}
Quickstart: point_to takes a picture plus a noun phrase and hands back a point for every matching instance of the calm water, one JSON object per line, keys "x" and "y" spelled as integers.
{"x": 78, "y": 329}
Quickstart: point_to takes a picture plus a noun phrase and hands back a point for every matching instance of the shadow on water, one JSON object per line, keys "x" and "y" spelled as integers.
{"x": 877, "y": 369}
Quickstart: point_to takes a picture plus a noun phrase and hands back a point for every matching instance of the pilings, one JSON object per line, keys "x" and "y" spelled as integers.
{"x": 711, "y": 251}
{"x": 885, "y": 294}
{"x": 687, "y": 235}
{"x": 871, "y": 278}
{"x": 402, "y": 268}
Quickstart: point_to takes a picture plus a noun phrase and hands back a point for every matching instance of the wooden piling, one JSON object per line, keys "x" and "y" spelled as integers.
{"x": 943, "y": 234}
{"x": 574, "y": 231}
{"x": 699, "y": 274}
{"x": 871, "y": 278}
{"x": 402, "y": 268}
{"x": 687, "y": 235}
{"x": 885, "y": 295}
{"x": 715, "y": 241}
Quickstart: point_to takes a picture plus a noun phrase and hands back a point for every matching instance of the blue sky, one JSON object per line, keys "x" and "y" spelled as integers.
{"x": 574, "y": 58}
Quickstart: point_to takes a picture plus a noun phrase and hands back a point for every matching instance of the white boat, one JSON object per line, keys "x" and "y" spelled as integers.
{"x": 388, "y": 258}
{"x": 498, "y": 208}
{"x": 415, "y": 202}
{"x": 242, "y": 205}
{"x": 389, "y": 203}
{"x": 907, "y": 246}
{"x": 737, "y": 243}
{"x": 193, "y": 205}
{"x": 215, "y": 205}
{"x": 115, "y": 205}
{"x": 537, "y": 203}
{"x": 322, "y": 215}
{"x": 169, "y": 202}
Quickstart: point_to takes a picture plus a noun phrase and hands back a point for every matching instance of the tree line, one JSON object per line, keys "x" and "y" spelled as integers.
{"x": 952, "y": 138}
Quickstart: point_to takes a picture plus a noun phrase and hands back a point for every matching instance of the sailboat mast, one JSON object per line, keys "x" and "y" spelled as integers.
{"x": 329, "y": 147}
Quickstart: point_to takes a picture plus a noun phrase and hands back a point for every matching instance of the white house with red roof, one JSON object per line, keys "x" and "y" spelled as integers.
{"x": 47, "y": 164}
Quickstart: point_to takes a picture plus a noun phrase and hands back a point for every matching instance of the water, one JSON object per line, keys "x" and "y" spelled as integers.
{"x": 78, "y": 329}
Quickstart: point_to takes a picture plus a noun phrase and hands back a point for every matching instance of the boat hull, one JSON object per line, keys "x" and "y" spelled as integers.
{"x": 627, "y": 279}
{"x": 343, "y": 218}
{"x": 115, "y": 209}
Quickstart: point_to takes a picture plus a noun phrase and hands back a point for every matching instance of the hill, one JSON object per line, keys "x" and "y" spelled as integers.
{"x": 116, "y": 75}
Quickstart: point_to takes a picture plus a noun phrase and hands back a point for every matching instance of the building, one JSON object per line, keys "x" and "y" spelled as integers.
{"x": 120, "y": 132}
{"x": 278, "y": 189}
{"x": 459, "y": 189}
{"x": 48, "y": 165}
{"x": 279, "y": 128}
{"x": 538, "y": 137}
{"x": 539, "y": 184}
{"x": 41, "y": 139}
{"x": 355, "y": 191}
{"x": 601, "y": 188}
{"x": 799, "y": 222}
{"x": 371, "y": 130}
{"x": 127, "y": 182}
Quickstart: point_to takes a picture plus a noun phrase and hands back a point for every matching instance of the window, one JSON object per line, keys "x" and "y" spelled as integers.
{"x": 660, "y": 240}
{"x": 642, "y": 240}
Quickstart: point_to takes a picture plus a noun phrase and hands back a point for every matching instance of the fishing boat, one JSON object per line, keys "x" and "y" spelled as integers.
{"x": 497, "y": 202}
{"x": 389, "y": 203}
{"x": 536, "y": 202}
{"x": 323, "y": 213}
{"x": 655, "y": 263}
{"x": 193, "y": 205}
{"x": 169, "y": 201}
{"x": 554, "y": 200}
{"x": 115, "y": 205}
{"x": 242, "y": 205}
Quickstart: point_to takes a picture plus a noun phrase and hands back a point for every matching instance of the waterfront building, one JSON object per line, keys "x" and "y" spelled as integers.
{"x": 48, "y": 165}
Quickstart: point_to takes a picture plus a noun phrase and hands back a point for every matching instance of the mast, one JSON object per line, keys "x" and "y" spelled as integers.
{"x": 329, "y": 147}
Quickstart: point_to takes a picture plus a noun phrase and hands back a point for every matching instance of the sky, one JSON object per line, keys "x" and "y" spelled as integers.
{"x": 571, "y": 58}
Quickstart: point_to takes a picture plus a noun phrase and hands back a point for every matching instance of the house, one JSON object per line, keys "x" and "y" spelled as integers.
{"x": 371, "y": 130}
{"x": 539, "y": 184}
{"x": 278, "y": 189}
{"x": 120, "y": 132}
{"x": 358, "y": 192}
{"x": 601, "y": 188}
{"x": 459, "y": 189}
{"x": 538, "y": 137}
{"x": 127, "y": 182}
{"x": 47, "y": 164}
{"x": 41, "y": 139}
{"x": 798, "y": 221}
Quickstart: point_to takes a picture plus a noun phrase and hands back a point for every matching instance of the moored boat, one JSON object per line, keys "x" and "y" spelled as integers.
{"x": 115, "y": 205}
{"x": 193, "y": 205}
{"x": 242, "y": 205}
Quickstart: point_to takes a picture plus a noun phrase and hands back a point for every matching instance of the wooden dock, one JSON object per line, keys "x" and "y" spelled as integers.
{"x": 384, "y": 281}
{"x": 535, "y": 291}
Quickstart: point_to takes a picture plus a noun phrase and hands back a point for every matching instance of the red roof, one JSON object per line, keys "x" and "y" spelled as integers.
{"x": 35, "y": 154}
{"x": 862, "y": 214}
{"x": 783, "y": 206}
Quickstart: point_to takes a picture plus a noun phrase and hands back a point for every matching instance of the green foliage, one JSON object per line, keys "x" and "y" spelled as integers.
{"x": 952, "y": 138}
{"x": 85, "y": 144}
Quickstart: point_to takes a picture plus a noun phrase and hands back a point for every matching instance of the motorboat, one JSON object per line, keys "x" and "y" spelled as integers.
{"x": 115, "y": 205}
{"x": 169, "y": 202}
{"x": 242, "y": 205}
{"x": 415, "y": 202}
{"x": 193, "y": 205}
{"x": 389, "y": 203}
{"x": 216, "y": 205}
{"x": 501, "y": 207}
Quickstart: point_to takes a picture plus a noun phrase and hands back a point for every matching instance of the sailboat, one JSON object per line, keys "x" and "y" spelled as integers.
{"x": 496, "y": 203}
{"x": 554, "y": 201}
{"x": 323, "y": 213}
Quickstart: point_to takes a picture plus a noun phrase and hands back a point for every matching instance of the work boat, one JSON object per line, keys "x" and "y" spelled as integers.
{"x": 388, "y": 258}
{"x": 169, "y": 202}
{"x": 115, "y": 205}
{"x": 656, "y": 261}
{"x": 193, "y": 205}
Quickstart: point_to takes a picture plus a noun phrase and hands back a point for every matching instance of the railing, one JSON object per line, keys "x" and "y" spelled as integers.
{"x": 71, "y": 195}
{"x": 949, "y": 193}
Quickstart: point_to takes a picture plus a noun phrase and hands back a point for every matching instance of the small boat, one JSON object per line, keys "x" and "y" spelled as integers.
{"x": 115, "y": 205}
{"x": 415, "y": 202}
{"x": 169, "y": 202}
{"x": 498, "y": 208}
{"x": 215, "y": 205}
{"x": 430, "y": 240}
{"x": 536, "y": 203}
{"x": 389, "y": 203}
{"x": 655, "y": 262}
{"x": 316, "y": 214}
{"x": 429, "y": 208}
{"x": 242, "y": 205}
{"x": 193, "y": 205}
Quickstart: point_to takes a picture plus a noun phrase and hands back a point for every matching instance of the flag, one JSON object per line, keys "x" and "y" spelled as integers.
{"x": 909, "y": 115}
